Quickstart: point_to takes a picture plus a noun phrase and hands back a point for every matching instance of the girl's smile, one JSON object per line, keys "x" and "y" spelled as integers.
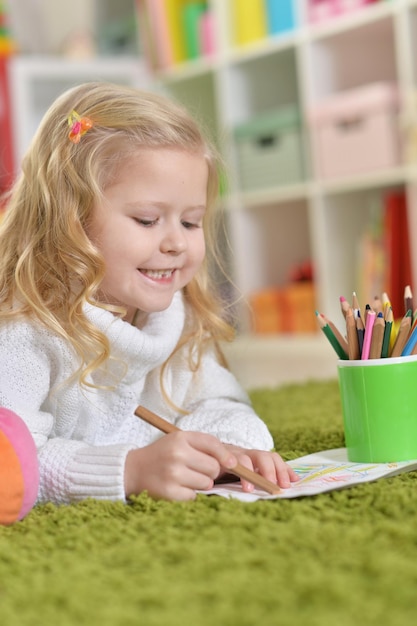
{"x": 149, "y": 228}
{"x": 158, "y": 274}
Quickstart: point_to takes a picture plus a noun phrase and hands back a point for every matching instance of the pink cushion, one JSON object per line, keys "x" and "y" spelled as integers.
{"x": 19, "y": 469}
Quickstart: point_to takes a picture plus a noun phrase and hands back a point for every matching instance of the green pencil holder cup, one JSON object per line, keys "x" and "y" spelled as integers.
{"x": 379, "y": 407}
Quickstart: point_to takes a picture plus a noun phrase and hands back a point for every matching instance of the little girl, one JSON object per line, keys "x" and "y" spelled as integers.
{"x": 106, "y": 304}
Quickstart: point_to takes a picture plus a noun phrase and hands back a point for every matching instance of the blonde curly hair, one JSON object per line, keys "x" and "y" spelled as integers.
{"x": 49, "y": 269}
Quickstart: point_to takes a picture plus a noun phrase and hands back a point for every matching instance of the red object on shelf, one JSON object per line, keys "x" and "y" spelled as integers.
{"x": 398, "y": 249}
{"x": 6, "y": 145}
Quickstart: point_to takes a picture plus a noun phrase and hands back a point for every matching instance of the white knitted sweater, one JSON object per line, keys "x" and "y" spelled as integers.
{"x": 83, "y": 435}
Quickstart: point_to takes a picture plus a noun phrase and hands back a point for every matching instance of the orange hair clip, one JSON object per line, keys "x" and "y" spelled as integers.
{"x": 78, "y": 126}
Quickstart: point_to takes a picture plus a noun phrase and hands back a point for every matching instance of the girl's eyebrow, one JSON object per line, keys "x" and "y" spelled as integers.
{"x": 198, "y": 207}
{"x": 150, "y": 204}
{"x": 140, "y": 204}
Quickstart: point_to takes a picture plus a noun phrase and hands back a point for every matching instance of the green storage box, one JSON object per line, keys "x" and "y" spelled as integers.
{"x": 269, "y": 149}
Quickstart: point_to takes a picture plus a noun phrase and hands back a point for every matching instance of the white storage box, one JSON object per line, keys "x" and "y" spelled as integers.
{"x": 356, "y": 131}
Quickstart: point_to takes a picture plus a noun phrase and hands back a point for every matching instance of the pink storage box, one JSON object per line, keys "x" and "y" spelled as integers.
{"x": 356, "y": 131}
{"x": 321, "y": 10}
{"x": 345, "y": 6}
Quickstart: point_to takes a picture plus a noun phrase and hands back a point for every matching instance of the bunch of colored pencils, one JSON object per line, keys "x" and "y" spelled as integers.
{"x": 373, "y": 333}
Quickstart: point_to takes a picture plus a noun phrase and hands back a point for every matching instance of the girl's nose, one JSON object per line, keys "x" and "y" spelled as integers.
{"x": 173, "y": 241}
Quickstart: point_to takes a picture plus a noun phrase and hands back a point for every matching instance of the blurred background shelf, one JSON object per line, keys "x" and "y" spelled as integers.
{"x": 261, "y": 93}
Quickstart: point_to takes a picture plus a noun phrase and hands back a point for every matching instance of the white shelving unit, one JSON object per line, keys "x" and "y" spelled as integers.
{"x": 321, "y": 219}
{"x": 274, "y": 228}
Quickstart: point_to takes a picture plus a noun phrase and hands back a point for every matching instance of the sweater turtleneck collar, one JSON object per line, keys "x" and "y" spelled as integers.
{"x": 141, "y": 349}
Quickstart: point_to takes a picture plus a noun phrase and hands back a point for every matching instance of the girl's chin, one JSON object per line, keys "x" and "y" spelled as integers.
{"x": 142, "y": 313}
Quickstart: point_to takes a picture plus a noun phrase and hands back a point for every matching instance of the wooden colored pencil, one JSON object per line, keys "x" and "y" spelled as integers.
{"x": 385, "y": 352}
{"x": 360, "y": 329}
{"x": 365, "y": 315}
{"x": 385, "y": 299}
{"x": 394, "y": 333}
{"x": 239, "y": 470}
{"x": 341, "y": 353}
{"x": 375, "y": 351}
{"x": 367, "y": 338}
{"x": 386, "y": 304}
{"x": 352, "y": 336}
{"x": 414, "y": 323}
{"x": 355, "y": 304}
{"x": 344, "y": 306}
{"x": 410, "y": 344}
{"x": 341, "y": 340}
{"x": 402, "y": 336}
{"x": 408, "y": 299}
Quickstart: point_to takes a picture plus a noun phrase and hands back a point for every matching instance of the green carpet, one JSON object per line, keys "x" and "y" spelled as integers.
{"x": 345, "y": 558}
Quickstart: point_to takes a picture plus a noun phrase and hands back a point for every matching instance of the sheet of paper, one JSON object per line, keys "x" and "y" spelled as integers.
{"x": 320, "y": 472}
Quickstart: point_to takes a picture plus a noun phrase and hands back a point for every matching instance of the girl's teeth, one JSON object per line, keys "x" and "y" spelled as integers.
{"x": 158, "y": 273}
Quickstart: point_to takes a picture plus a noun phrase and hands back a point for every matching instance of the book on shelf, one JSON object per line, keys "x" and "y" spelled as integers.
{"x": 250, "y": 21}
{"x": 154, "y": 33}
{"x": 256, "y": 19}
{"x": 280, "y": 16}
{"x": 175, "y": 31}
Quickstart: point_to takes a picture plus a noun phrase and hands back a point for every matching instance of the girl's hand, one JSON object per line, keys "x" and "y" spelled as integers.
{"x": 268, "y": 464}
{"x": 176, "y": 465}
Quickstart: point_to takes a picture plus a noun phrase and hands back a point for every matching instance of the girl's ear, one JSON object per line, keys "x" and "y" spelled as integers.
{"x": 19, "y": 469}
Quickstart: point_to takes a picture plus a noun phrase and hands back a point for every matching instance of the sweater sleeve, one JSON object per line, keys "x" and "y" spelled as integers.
{"x": 70, "y": 469}
{"x": 218, "y": 405}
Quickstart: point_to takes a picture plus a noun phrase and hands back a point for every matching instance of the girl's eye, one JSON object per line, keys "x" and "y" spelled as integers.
{"x": 190, "y": 225}
{"x": 144, "y": 222}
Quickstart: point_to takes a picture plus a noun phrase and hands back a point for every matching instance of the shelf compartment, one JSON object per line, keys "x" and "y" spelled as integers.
{"x": 197, "y": 93}
{"x": 259, "y": 85}
{"x": 352, "y": 58}
{"x": 267, "y": 242}
{"x": 353, "y": 255}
